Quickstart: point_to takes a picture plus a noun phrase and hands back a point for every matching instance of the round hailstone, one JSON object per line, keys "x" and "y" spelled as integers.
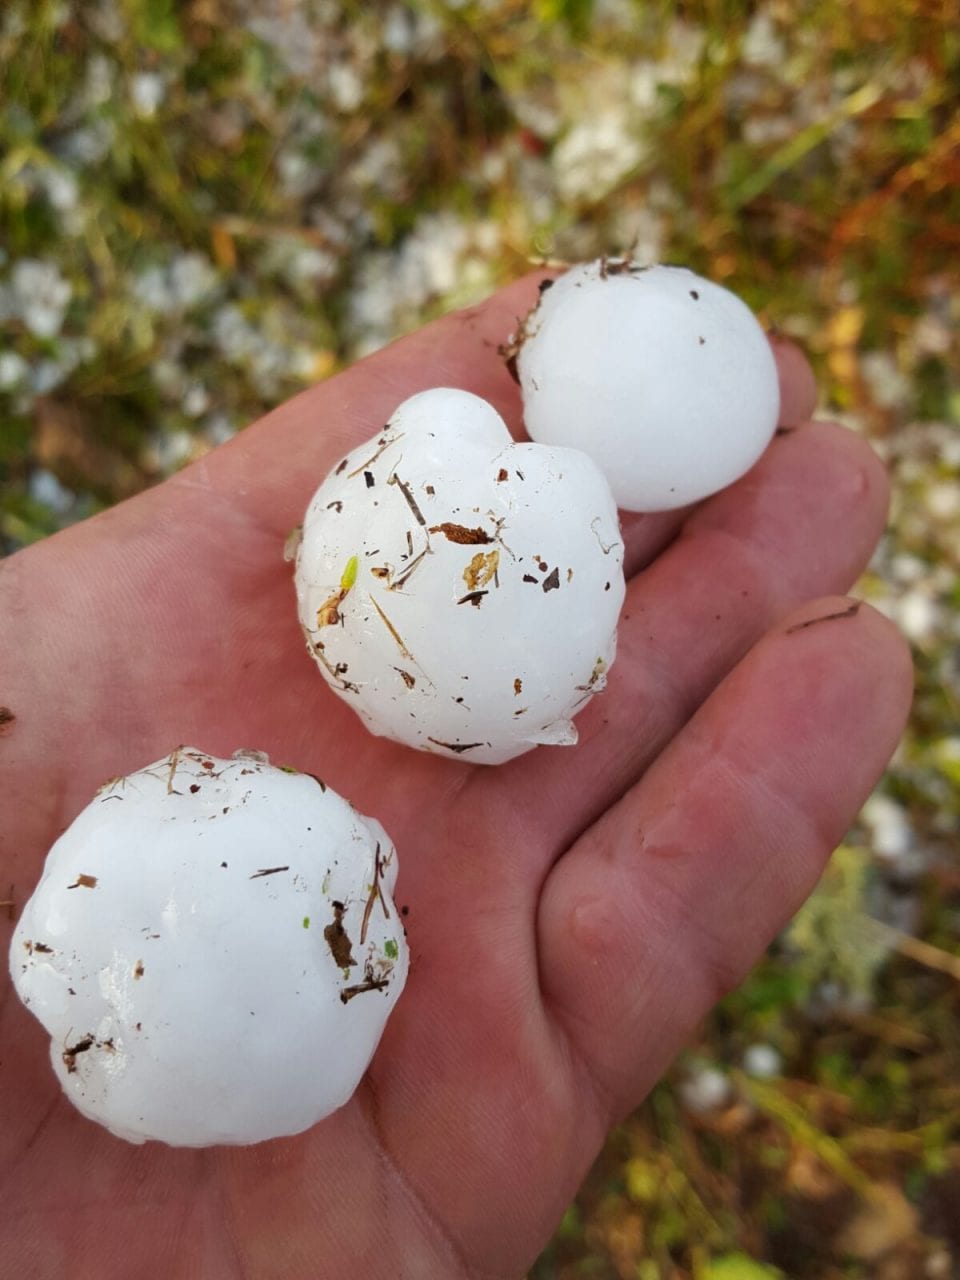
{"x": 666, "y": 380}
{"x": 214, "y": 951}
{"x": 459, "y": 590}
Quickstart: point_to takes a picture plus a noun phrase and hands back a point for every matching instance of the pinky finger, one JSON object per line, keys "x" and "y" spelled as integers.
{"x": 798, "y": 387}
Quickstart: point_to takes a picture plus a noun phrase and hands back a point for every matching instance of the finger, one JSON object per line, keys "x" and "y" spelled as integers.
{"x": 798, "y": 387}
{"x": 666, "y": 902}
{"x": 277, "y": 463}
{"x": 803, "y": 523}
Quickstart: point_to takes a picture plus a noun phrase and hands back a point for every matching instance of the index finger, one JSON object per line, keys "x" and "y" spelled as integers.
{"x": 277, "y": 463}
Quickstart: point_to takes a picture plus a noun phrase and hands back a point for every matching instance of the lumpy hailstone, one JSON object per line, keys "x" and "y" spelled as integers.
{"x": 666, "y": 380}
{"x": 459, "y": 590}
{"x": 214, "y": 950}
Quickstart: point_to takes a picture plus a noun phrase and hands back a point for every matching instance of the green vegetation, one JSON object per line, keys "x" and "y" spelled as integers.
{"x": 206, "y": 206}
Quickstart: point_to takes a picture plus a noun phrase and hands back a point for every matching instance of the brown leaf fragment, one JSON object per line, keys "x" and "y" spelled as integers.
{"x": 458, "y": 747}
{"x": 481, "y": 569}
{"x": 544, "y": 285}
{"x": 369, "y": 479}
{"x": 528, "y": 577}
{"x": 224, "y": 247}
{"x": 884, "y": 1220}
{"x": 292, "y": 543}
{"x": 508, "y": 352}
{"x": 380, "y": 571}
{"x": 375, "y": 893}
{"x": 552, "y": 580}
{"x": 84, "y": 882}
{"x": 341, "y": 467}
{"x": 518, "y": 686}
{"x": 406, "y": 677}
{"x": 502, "y": 475}
{"x": 473, "y": 597}
{"x": 70, "y": 1054}
{"x": 605, "y": 547}
{"x": 335, "y": 672}
{"x": 42, "y": 949}
{"x": 850, "y": 612}
{"x": 384, "y": 443}
{"x": 599, "y": 668}
{"x": 138, "y": 970}
{"x": 618, "y": 267}
{"x": 461, "y": 533}
{"x": 393, "y": 631}
{"x": 409, "y": 570}
{"x": 410, "y": 499}
{"x": 336, "y": 506}
{"x": 69, "y": 441}
{"x": 268, "y": 871}
{"x": 429, "y": 489}
{"x": 328, "y": 615}
{"x": 369, "y": 984}
{"x": 336, "y": 938}
{"x": 174, "y": 761}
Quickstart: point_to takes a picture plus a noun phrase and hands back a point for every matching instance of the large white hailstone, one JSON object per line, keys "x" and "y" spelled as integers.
{"x": 666, "y": 380}
{"x": 214, "y": 950}
{"x": 459, "y": 590}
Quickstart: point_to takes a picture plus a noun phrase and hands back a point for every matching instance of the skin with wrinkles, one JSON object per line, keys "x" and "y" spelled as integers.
{"x": 573, "y": 914}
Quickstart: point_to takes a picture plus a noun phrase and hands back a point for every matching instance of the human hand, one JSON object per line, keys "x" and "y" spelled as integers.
{"x": 573, "y": 914}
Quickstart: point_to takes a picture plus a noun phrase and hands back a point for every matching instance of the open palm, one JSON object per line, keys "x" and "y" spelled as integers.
{"x": 572, "y": 915}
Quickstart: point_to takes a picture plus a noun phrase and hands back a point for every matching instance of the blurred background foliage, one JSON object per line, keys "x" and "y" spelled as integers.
{"x": 207, "y": 205}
